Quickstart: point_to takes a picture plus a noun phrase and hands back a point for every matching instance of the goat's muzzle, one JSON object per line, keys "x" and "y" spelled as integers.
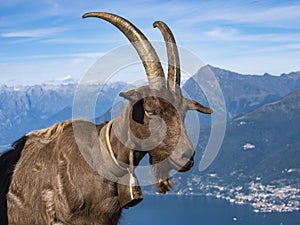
{"x": 187, "y": 166}
{"x": 183, "y": 164}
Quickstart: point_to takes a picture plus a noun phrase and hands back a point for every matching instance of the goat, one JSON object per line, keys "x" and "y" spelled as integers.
{"x": 53, "y": 181}
{"x": 7, "y": 162}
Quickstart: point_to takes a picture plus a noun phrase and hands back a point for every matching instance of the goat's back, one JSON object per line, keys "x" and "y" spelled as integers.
{"x": 52, "y": 183}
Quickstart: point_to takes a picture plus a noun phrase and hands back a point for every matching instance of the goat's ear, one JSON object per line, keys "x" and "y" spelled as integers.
{"x": 131, "y": 95}
{"x": 193, "y": 105}
{"x": 135, "y": 98}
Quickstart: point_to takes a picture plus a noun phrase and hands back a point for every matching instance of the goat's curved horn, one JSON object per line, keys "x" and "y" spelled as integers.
{"x": 142, "y": 45}
{"x": 173, "y": 56}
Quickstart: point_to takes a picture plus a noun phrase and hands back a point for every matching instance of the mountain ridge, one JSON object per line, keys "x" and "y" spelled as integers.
{"x": 260, "y": 151}
{"x": 34, "y": 107}
{"x": 244, "y": 93}
{"x": 259, "y": 137}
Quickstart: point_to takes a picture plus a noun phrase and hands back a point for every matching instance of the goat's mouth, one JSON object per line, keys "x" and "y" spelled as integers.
{"x": 163, "y": 185}
{"x": 162, "y": 171}
{"x": 182, "y": 165}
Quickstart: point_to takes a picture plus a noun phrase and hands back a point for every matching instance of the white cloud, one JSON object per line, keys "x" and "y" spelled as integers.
{"x": 223, "y": 33}
{"x": 233, "y": 34}
{"x": 85, "y": 55}
{"x": 64, "y": 79}
{"x": 32, "y": 72}
{"x": 285, "y": 16}
{"x": 243, "y": 13}
{"x": 32, "y": 33}
{"x": 247, "y": 37}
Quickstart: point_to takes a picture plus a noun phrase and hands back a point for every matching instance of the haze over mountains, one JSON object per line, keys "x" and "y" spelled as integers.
{"x": 26, "y": 108}
{"x": 262, "y": 137}
{"x": 264, "y": 143}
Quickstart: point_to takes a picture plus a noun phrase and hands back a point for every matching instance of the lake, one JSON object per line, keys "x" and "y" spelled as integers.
{"x": 200, "y": 210}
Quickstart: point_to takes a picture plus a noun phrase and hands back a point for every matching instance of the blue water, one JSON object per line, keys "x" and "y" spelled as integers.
{"x": 200, "y": 210}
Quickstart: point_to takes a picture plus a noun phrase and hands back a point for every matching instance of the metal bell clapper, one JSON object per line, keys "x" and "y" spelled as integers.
{"x": 129, "y": 191}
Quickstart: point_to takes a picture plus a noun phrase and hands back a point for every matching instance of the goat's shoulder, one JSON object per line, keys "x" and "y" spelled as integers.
{"x": 79, "y": 133}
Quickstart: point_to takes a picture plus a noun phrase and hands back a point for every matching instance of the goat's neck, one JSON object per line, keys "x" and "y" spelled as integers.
{"x": 121, "y": 148}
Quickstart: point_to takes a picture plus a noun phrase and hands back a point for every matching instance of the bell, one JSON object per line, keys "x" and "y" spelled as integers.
{"x": 129, "y": 191}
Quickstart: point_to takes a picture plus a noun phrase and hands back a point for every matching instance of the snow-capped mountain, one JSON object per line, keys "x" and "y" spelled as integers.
{"x": 26, "y": 108}
{"x": 261, "y": 141}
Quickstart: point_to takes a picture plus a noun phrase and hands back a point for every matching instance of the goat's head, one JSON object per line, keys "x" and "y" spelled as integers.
{"x": 159, "y": 103}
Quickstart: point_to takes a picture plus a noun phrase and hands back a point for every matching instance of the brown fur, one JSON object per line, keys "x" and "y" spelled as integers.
{"x": 52, "y": 182}
{"x": 171, "y": 108}
{"x": 55, "y": 184}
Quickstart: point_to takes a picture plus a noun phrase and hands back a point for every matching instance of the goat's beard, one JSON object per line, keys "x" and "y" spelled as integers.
{"x": 163, "y": 186}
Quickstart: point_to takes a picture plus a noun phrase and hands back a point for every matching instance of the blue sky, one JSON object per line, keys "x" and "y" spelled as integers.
{"x": 46, "y": 40}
